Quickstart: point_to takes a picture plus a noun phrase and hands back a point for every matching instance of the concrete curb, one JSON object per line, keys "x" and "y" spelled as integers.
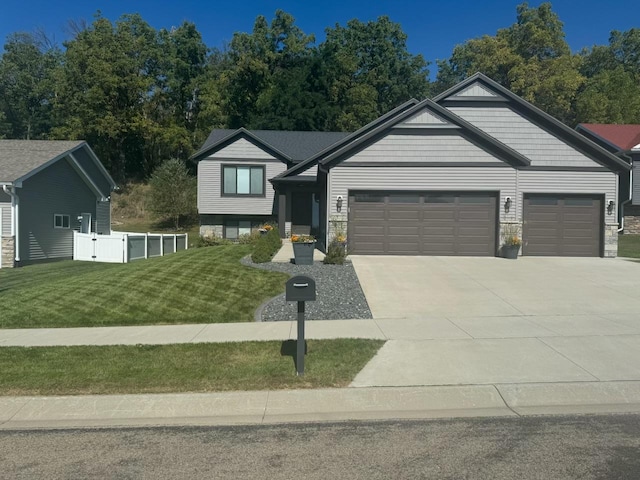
{"x": 285, "y": 406}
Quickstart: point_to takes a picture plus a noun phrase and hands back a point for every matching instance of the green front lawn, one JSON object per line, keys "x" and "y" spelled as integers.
{"x": 178, "y": 368}
{"x": 629, "y": 246}
{"x": 203, "y": 285}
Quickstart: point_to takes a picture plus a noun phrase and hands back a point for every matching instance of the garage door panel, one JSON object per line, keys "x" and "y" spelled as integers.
{"x": 403, "y": 215}
{"x": 367, "y": 230}
{"x": 562, "y": 225}
{"x": 404, "y": 231}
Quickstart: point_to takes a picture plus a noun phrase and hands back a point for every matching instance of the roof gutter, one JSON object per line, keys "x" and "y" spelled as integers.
{"x": 15, "y": 203}
{"x": 622, "y": 204}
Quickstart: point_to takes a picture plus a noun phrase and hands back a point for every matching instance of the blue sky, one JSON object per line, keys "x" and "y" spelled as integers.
{"x": 433, "y": 27}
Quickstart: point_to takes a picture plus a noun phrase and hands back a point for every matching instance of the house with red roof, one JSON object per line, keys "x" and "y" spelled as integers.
{"x": 624, "y": 141}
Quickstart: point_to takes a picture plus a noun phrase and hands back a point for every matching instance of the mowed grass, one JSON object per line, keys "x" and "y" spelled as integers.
{"x": 629, "y": 246}
{"x": 178, "y": 368}
{"x": 203, "y": 285}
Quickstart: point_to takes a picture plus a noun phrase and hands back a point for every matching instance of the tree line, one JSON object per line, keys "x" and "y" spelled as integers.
{"x": 140, "y": 96}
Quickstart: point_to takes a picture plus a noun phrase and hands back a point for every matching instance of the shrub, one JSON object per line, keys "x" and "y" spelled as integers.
{"x": 211, "y": 241}
{"x": 249, "y": 238}
{"x": 336, "y": 254}
{"x": 266, "y": 246}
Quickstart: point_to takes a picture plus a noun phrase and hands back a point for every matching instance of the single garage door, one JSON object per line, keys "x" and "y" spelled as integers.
{"x": 422, "y": 223}
{"x": 562, "y": 225}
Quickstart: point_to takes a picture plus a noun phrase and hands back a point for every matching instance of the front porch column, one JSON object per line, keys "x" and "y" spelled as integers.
{"x": 282, "y": 214}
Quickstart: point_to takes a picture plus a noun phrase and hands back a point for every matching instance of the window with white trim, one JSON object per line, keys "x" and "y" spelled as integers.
{"x": 243, "y": 180}
{"x": 61, "y": 221}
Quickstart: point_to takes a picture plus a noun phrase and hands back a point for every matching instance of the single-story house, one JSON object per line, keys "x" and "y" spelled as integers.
{"x": 448, "y": 176}
{"x": 624, "y": 141}
{"x": 48, "y": 189}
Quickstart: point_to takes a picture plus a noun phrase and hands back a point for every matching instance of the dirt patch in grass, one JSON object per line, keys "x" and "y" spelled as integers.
{"x": 87, "y": 370}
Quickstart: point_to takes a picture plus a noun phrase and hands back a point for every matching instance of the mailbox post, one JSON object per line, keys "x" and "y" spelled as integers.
{"x": 300, "y": 289}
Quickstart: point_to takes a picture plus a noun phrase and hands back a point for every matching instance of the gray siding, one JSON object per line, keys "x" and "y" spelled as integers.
{"x": 475, "y": 90}
{"x": 103, "y": 218}
{"x": 93, "y": 171}
{"x": 56, "y": 189}
{"x": 512, "y": 129}
{"x": 210, "y": 200}
{"x": 569, "y": 182}
{"x": 310, "y": 172}
{"x": 242, "y": 149}
{"x": 423, "y": 148}
{"x": 425, "y": 118}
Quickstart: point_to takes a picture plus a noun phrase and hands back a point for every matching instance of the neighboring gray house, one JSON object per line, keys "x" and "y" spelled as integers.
{"x": 437, "y": 177}
{"x": 47, "y": 190}
{"x": 624, "y": 141}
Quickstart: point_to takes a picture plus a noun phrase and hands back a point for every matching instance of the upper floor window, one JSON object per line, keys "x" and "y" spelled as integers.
{"x": 243, "y": 180}
{"x": 60, "y": 221}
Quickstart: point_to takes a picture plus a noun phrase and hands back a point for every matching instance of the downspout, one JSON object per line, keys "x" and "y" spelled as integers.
{"x": 622, "y": 204}
{"x": 14, "y": 220}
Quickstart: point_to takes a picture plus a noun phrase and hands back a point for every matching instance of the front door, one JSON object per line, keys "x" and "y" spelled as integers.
{"x": 301, "y": 212}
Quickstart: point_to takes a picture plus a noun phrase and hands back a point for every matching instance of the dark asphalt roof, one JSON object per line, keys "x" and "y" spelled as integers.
{"x": 19, "y": 157}
{"x": 296, "y": 145}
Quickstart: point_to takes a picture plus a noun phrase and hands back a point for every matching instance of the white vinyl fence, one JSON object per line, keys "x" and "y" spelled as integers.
{"x": 123, "y": 247}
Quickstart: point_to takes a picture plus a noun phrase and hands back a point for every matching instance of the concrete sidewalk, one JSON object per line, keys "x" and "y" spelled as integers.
{"x": 265, "y": 407}
{"x": 429, "y": 367}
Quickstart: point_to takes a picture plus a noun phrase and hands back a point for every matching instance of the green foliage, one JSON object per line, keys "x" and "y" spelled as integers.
{"x": 27, "y": 86}
{"x": 172, "y": 192}
{"x": 145, "y": 292}
{"x": 83, "y": 370}
{"x": 266, "y": 246}
{"x": 210, "y": 241}
{"x": 140, "y": 95}
{"x": 336, "y": 254}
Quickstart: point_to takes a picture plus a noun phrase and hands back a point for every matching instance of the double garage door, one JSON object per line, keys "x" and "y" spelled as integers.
{"x": 423, "y": 223}
{"x": 465, "y": 223}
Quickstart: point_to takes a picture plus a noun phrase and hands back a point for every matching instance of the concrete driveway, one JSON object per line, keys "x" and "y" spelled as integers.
{"x": 410, "y": 287}
{"x": 453, "y": 320}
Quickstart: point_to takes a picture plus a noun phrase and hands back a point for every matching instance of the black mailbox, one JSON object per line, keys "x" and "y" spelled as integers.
{"x": 300, "y": 289}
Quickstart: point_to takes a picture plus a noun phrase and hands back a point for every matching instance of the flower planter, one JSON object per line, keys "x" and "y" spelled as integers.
{"x": 303, "y": 252}
{"x": 510, "y": 251}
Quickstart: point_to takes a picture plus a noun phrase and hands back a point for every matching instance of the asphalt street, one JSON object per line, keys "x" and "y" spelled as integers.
{"x": 568, "y": 447}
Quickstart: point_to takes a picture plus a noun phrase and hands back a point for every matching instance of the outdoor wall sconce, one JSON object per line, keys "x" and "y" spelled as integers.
{"x": 507, "y": 205}
{"x": 339, "y": 204}
{"x": 610, "y": 206}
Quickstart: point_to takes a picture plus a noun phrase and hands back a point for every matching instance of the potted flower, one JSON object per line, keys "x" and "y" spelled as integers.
{"x": 303, "y": 247}
{"x": 511, "y": 242}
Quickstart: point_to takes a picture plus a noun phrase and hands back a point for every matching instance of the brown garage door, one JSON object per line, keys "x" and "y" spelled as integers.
{"x": 562, "y": 225}
{"x": 422, "y": 223}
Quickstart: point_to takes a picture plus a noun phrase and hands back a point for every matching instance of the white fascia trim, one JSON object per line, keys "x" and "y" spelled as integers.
{"x": 87, "y": 179}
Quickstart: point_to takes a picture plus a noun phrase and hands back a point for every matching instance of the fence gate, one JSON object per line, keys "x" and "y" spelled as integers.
{"x": 98, "y": 248}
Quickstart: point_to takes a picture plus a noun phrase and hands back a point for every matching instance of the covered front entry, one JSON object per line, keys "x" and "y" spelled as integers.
{"x": 563, "y": 225}
{"x": 422, "y": 223}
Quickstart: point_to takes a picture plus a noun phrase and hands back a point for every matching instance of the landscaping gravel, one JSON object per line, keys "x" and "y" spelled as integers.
{"x": 338, "y": 293}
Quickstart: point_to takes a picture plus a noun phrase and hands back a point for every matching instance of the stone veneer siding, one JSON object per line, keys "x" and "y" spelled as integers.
{"x": 8, "y": 252}
{"x": 611, "y": 240}
{"x": 632, "y": 219}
